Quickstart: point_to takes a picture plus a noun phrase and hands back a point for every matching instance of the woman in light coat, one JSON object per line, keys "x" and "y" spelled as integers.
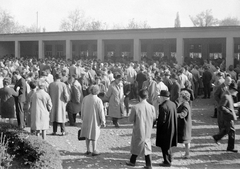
{"x": 40, "y": 106}
{"x": 115, "y": 96}
{"x": 93, "y": 118}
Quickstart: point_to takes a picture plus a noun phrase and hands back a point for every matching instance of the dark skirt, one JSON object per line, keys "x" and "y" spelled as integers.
{"x": 8, "y": 108}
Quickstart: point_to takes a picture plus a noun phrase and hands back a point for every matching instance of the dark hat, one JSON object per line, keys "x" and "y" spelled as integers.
{"x": 174, "y": 76}
{"x": 164, "y": 93}
{"x": 233, "y": 86}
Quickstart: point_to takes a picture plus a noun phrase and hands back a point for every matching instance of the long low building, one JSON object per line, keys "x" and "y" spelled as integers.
{"x": 186, "y": 42}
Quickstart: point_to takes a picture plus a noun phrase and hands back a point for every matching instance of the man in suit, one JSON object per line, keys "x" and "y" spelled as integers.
{"x": 175, "y": 89}
{"x": 226, "y": 106}
{"x": 20, "y": 99}
{"x": 166, "y": 128}
{"x": 206, "y": 79}
{"x": 142, "y": 114}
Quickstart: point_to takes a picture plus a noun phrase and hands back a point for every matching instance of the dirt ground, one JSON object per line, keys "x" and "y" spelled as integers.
{"x": 114, "y": 145}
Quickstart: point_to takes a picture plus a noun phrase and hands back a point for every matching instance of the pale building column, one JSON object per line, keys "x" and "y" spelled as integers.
{"x": 41, "y": 53}
{"x": 68, "y": 49}
{"x": 229, "y": 51}
{"x": 100, "y": 49}
{"x": 136, "y": 50}
{"x": 17, "y": 49}
{"x": 180, "y": 54}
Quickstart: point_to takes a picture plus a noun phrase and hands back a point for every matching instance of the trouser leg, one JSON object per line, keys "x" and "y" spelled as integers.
{"x": 70, "y": 117}
{"x": 62, "y": 125}
{"x": 231, "y": 136}
{"x": 55, "y": 124}
{"x": 126, "y": 103}
{"x": 74, "y": 118}
{"x": 148, "y": 160}
{"x": 20, "y": 114}
{"x": 133, "y": 158}
{"x": 167, "y": 155}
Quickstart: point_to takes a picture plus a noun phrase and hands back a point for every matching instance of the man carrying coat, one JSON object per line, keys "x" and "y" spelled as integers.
{"x": 142, "y": 116}
{"x": 166, "y": 128}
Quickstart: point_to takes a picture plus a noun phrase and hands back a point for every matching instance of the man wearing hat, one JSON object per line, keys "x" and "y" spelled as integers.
{"x": 166, "y": 127}
{"x": 226, "y": 106}
{"x": 167, "y": 80}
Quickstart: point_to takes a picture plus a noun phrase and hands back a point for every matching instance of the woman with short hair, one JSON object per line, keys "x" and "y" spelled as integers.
{"x": 93, "y": 118}
{"x": 185, "y": 122}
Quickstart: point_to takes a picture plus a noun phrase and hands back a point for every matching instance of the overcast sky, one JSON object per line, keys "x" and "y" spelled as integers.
{"x": 157, "y": 13}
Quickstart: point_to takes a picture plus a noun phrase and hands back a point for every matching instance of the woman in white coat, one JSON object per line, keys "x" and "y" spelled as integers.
{"x": 93, "y": 118}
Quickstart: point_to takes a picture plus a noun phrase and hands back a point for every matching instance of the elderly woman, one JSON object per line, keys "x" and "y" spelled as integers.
{"x": 7, "y": 100}
{"x": 93, "y": 118}
{"x": 40, "y": 106}
{"x": 115, "y": 96}
{"x": 185, "y": 122}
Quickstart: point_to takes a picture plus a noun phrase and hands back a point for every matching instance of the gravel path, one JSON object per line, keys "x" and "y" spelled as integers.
{"x": 114, "y": 145}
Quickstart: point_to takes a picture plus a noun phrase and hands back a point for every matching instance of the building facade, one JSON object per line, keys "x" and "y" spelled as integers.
{"x": 212, "y": 43}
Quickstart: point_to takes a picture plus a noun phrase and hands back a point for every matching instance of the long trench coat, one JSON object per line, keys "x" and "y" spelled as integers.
{"x": 93, "y": 117}
{"x": 167, "y": 125}
{"x": 59, "y": 94}
{"x": 115, "y": 96}
{"x": 142, "y": 115}
{"x": 40, "y": 106}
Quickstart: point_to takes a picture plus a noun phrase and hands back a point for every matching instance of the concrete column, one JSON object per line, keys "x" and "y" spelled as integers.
{"x": 136, "y": 50}
{"x": 100, "y": 49}
{"x": 17, "y": 49}
{"x": 229, "y": 51}
{"x": 41, "y": 53}
{"x": 68, "y": 49}
{"x": 180, "y": 47}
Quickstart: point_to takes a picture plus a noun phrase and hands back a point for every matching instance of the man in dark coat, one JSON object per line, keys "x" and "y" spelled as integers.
{"x": 166, "y": 128}
{"x": 226, "y": 106}
{"x": 141, "y": 77}
{"x": 206, "y": 79}
{"x": 20, "y": 99}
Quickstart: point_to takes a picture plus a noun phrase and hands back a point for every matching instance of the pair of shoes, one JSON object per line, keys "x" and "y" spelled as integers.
{"x": 64, "y": 134}
{"x": 53, "y": 134}
{"x": 232, "y": 150}
{"x": 128, "y": 163}
{"x": 215, "y": 140}
{"x": 88, "y": 153}
{"x": 117, "y": 125}
{"x": 95, "y": 153}
{"x": 165, "y": 164}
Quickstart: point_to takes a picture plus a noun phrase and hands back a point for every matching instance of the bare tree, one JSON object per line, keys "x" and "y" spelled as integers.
{"x": 75, "y": 21}
{"x": 229, "y": 21}
{"x": 6, "y": 22}
{"x": 96, "y": 25}
{"x": 132, "y": 24}
{"x": 177, "y": 21}
{"x": 204, "y": 19}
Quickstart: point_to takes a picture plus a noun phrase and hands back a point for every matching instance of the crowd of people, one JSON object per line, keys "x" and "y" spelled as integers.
{"x": 41, "y": 91}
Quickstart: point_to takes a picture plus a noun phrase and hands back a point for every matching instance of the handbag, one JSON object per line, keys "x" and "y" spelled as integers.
{"x": 79, "y": 135}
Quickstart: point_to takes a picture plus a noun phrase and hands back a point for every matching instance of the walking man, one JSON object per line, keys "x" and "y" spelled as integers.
{"x": 166, "y": 128}
{"x": 226, "y": 106}
{"x": 142, "y": 116}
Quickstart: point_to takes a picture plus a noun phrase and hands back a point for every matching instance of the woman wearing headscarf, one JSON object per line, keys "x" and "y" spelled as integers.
{"x": 7, "y": 100}
{"x": 40, "y": 106}
{"x": 185, "y": 122}
{"x": 93, "y": 118}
